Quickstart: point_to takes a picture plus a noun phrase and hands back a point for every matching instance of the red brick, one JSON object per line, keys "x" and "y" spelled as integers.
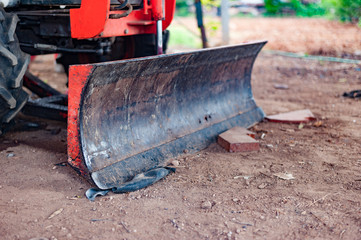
{"x": 238, "y": 140}
{"x": 242, "y": 131}
{"x": 297, "y": 117}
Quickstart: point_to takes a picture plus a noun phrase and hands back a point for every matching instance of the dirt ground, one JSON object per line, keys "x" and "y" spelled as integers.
{"x": 301, "y": 35}
{"x": 213, "y": 194}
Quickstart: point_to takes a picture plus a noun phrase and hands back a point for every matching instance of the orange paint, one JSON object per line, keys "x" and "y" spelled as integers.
{"x": 78, "y": 75}
{"x": 92, "y": 20}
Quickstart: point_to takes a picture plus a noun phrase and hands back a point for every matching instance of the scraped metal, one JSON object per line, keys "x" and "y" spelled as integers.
{"x": 135, "y": 115}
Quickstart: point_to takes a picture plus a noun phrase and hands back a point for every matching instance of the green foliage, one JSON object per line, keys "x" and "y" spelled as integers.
{"x": 345, "y": 10}
{"x": 308, "y": 10}
{"x": 212, "y": 27}
{"x": 181, "y": 3}
{"x": 211, "y": 3}
{"x": 180, "y": 36}
{"x": 182, "y": 8}
{"x": 349, "y": 10}
{"x": 273, "y": 7}
{"x": 293, "y": 7}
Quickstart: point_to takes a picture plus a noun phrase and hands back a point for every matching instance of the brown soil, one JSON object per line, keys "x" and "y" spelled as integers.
{"x": 306, "y": 35}
{"x": 213, "y": 194}
{"x": 311, "y": 36}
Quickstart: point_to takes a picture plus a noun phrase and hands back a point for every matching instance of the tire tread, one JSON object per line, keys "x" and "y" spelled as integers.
{"x": 13, "y": 65}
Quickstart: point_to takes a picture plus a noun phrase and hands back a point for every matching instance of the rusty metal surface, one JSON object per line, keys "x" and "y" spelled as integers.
{"x": 137, "y": 114}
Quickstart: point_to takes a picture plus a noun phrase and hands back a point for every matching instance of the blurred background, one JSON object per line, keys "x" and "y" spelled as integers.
{"x": 314, "y": 27}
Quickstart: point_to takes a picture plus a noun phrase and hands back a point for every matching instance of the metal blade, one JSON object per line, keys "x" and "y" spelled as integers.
{"x": 134, "y": 115}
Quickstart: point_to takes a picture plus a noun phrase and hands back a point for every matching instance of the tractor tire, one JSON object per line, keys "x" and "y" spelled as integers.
{"x": 13, "y": 65}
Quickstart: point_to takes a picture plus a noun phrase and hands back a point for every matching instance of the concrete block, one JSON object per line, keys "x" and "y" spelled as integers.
{"x": 238, "y": 140}
{"x": 297, "y": 117}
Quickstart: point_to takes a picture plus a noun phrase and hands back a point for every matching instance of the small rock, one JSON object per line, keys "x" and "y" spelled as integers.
{"x": 284, "y": 176}
{"x": 280, "y": 86}
{"x": 247, "y": 182}
{"x": 263, "y": 185}
{"x": 206, "y": 205}
{"x": 269, "y": 146}
{"x": 262, "y": 217}
{"x": 57, "y": 212}
{"x": 318, "y": 124}
{"x": 303, "y": 213}
{"x": 175, "y": 163}
{"x": 11, "y": 155}
{"x": 357, "y": 52}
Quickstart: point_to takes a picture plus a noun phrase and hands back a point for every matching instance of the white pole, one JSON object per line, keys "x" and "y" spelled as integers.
{"x": 225, "y": 21}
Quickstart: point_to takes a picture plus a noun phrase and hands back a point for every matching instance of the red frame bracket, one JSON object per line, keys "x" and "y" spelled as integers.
{"x": 92, "y": 20}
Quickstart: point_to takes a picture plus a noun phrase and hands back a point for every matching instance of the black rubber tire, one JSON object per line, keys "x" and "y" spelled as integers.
{"x": 13, "y": 65}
